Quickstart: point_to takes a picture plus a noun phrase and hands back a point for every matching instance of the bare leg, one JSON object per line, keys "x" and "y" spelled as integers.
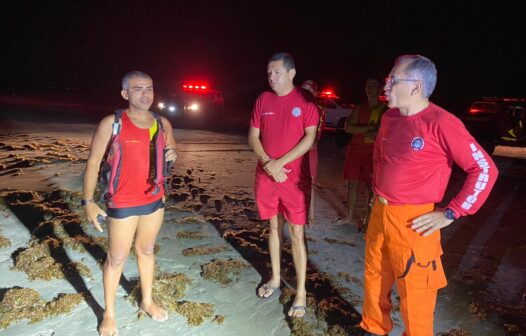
{"x": 120, "y": 238}
{"x": 311, "y": 207}
{"x": 352, "y": 189}
{"x": 147, "y": 230}
{"x": 299, "y": 255}
{"x": 275, "y": 240}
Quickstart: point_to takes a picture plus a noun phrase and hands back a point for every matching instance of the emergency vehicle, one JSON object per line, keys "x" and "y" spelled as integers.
{"x": 335, "y": 110}
{"x": 192, "y": 100}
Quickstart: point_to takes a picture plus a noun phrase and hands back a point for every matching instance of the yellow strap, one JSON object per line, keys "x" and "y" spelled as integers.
{"x": 153, "y": 129}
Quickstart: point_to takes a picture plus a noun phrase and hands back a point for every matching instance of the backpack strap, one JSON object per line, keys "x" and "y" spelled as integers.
{"x": 157, "y": 117}
{"x": 116, "y": 127}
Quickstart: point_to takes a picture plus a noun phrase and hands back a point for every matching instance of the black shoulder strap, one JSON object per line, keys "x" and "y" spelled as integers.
{"x": 159, "y": 120}
{"x": 117, "y": 122}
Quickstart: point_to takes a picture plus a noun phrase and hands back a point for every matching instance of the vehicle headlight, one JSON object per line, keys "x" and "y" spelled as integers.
{"x": 171, "y": 108}
{"x": 161, "y": 106}
{"x": 194, "y": 107}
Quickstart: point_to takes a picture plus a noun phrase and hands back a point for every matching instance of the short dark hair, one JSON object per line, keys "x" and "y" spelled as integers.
{"x": 288, "y": 60}
{"x": 132, "y": 74}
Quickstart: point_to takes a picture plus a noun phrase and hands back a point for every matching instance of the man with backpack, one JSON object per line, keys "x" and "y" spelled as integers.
{"x": 135, "y": 145}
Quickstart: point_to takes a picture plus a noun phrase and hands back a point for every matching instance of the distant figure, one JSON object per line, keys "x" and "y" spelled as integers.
{"x": 416, "y": 147}
{"x": 282, "y": 129}
{"x": 363, "y": 124}
{"x": 140, "y": 144}
{"x": 312, "y": 87}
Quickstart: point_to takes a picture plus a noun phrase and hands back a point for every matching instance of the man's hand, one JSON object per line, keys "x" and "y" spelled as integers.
{"x": 170, "y": 154}
{"x": 95, "y": 215}
{"x": 430, "y": 222}
{"x": 276, "y": 170}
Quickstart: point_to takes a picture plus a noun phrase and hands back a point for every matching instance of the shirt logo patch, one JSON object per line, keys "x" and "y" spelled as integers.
{"x": 417, "y": 143}
{"x": 296, "y": 112}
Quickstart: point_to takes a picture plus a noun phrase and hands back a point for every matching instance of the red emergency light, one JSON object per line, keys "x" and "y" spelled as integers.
{"x": 195, "y": 87}
{"x": 328, "y": 94}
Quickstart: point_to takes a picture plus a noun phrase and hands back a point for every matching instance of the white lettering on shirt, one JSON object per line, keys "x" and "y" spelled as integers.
{"x": 482, "y": 180}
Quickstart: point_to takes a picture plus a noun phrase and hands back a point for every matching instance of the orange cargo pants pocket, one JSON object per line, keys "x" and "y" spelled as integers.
{"x": 420, "y": 267}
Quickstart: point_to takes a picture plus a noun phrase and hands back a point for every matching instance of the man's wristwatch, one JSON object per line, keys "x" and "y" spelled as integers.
{"x": 449, "y": 214}
{"x": 85, "y": 202}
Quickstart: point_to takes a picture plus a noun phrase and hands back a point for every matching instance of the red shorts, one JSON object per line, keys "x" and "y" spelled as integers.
{"x": 313, "y": 162}
{"x": 290, "y": 198}
{"x": 359, "y": 164}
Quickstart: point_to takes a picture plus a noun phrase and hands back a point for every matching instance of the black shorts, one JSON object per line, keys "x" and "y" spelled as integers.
{"x": 141, "y": 210}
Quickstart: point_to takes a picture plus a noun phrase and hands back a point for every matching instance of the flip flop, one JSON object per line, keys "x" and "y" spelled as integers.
{"x": 293, "y": 309}
{"x": 267, "y": 288}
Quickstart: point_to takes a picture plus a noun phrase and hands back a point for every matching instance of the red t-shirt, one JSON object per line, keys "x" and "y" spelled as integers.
{"x": 413, "y": 157}
{"x": 282, "y": 122}
{"x": 364, "y": 112}
{"x": 135, "y": 167}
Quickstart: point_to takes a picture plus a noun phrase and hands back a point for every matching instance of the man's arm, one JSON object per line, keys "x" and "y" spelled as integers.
{"x": 353, "y": 127}
{"x": 275, "y": 166}
{"x": 170, "y": 154}
{"x": 256, "y": 146}
{"x": 99, "y": 143}
{"x": 481, "y": 176}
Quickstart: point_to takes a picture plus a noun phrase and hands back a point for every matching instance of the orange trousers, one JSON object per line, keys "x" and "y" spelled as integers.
{"x": 394, "y": 253}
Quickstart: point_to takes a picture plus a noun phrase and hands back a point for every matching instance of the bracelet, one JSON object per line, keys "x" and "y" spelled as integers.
{"x": 84, "y": 202}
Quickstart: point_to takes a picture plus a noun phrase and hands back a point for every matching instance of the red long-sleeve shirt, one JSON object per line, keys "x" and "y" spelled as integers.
{"x": 413, "y": 157}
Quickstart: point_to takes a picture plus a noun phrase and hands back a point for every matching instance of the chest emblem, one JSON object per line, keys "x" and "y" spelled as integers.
{"x": 417, "y": 143}
{"x": 296, "y": 112}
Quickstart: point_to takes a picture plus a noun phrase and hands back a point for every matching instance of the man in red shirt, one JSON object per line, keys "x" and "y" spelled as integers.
{"x": 416, "y": 147}
{"x": 363, "y": 124}
{"x": 282, "y": 129}
{"x": 136, "y": 209}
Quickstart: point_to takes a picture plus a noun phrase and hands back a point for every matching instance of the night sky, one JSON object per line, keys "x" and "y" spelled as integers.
{"x": 88, "y": 45}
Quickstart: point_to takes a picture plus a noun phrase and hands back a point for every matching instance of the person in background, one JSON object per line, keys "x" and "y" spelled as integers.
{"x": 363, "y": 124}
{"x": 140, "y": 144}
{"x": 416, "y": 147}
{"x": 282, "y": 129}
{"x": 312, "y": 87}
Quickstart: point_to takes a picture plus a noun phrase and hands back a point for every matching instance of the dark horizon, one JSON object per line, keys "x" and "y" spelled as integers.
{"x": 475, "y": 46}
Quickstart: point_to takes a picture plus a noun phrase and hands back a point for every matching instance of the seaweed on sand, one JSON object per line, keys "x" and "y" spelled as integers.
{"x": 193, "y": 251}
{"x": 221, "y": 270}
{"x": 455, "y": 332}
{"x": 195, "y": 312}
{"x": 167, "y": 289}
{"x": 26, "y": 304}
{"x": 190, "y": 235}
{"x": 38, "y": 263}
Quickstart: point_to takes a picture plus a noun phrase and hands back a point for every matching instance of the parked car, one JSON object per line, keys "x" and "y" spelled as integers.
{"x": 335, "y": 110}
{"x": 496, "y": 121}
{"x": 191, "y": 101}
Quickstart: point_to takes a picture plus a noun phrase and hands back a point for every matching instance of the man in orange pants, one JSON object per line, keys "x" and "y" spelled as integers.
{"x": 413, "y": 154}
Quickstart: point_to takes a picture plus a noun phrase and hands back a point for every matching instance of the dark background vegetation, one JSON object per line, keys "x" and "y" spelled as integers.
{"x": 84, "y": 47}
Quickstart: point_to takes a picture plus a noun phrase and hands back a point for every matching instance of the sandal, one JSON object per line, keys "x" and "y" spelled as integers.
{"x": 293, "y": 309}
{"x": 268, "y": 291}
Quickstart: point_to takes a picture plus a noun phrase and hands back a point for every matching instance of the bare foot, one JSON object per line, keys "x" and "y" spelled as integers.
{"x": 155, "y": 312}
{"x": 299, "y": 307}
{"x": 108, "y": 327}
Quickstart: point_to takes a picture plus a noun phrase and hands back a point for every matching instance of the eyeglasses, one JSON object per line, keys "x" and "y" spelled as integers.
{"x": 390, "y": 81}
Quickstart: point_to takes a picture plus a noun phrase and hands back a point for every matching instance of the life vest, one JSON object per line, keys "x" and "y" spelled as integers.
{"x": 110, "y": 170}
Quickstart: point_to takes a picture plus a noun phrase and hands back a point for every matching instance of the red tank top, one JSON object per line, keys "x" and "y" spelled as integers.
{"x": 134, "y": 188}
